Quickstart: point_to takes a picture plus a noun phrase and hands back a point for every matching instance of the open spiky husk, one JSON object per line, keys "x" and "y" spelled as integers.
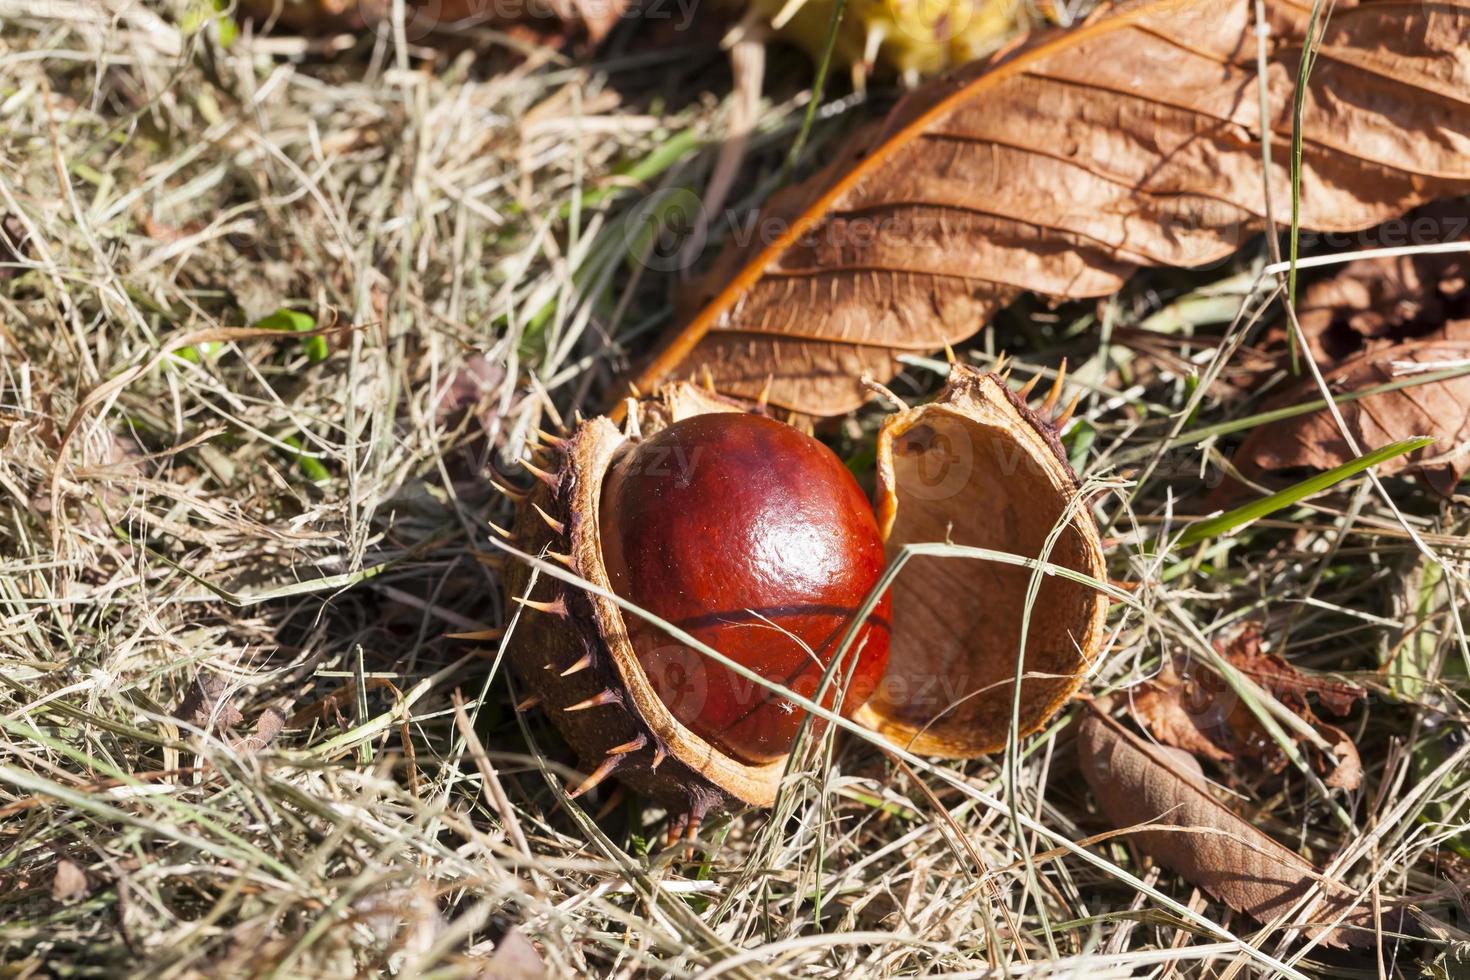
{"x": 975, "y": 467}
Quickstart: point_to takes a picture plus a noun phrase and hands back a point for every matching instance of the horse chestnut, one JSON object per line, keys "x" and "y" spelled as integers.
{"x": 754, "y": 538}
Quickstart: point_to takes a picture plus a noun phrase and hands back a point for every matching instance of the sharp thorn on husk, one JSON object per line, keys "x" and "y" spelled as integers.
{"x": 544, "y": 476}
{"x": 583, "y": 662}
{"x": 490, "y": 634}
{"x": 659, "y": 755}
{"x": 598, "y": 775}
{"x": 1066, "y": 414}
{"x": 561, "y": 559}
{"x": 528, "y": 702}
{"x": 631, "y": 428}
{"x": 633, "y": 390}
{"x": 551, "y": 522}
{"x": 707, "y": 378}
{"x": 1029, "y": 387}
{"x": 555, "y": 442}
{"x": 632, "y": 745}
{"x": 676, "y": 829}
{"x": 596, "y": 701}
{"x": 949, "y": 357}
{"x": 1056, "y": 390}
{"x": 501, "y": 532}
{"x": 556, "y": 607}
{"x": 764, "y": 397}
{"x": 505, "y": 491}
{"x": 619, "y": 793}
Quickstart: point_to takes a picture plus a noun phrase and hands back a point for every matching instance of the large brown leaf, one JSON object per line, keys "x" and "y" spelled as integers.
{"x": 1132, "y": 141}
{"x": 1198, "y": 837}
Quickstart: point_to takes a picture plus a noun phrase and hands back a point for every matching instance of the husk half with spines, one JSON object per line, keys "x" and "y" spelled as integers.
{"x": 975, "y": 467}
{"x": 572, "y": 649}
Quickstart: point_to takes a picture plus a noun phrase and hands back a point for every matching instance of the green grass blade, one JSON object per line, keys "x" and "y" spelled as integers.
{"x": 1256, "y": 509}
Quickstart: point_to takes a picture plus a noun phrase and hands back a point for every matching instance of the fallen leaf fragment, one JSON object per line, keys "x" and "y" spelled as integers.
{"x": 272, "y": 722}
{"x": 1348, "y": 773}
{"x": 1137, "y": 784}
{"x": 1189, "y": 706}
{"x": 1384, "y": 301}
{"x": 207, "y": 705}
{"x": 1440, "y": 409}
{"x": 69, "y": 883}
{"x": 1158, "y": 705}
{"x": 515, "y": 958}
{"x": 1375, "y": 321}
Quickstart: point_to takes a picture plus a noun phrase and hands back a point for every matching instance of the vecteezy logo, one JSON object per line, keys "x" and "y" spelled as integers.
{"x": 936, "y": 463}
{"x": 667, "y": 230}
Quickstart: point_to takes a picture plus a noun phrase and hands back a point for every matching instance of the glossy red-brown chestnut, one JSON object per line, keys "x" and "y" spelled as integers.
{"x": 754, "y": 538}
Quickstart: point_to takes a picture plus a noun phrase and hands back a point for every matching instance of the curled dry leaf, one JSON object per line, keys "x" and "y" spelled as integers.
{"x": 1386, "y": 301}
{"x": 1136, "y": 783}
{"x": 206, "y": 705}
{"x": 1132, "y": 141}
{"x": 1375, "y": 321}
{"x": 1440, "y": 409}
{"x": 1189, "y": 706}
{"x": 272, "y": 722}
{"x": 69, "y": 884}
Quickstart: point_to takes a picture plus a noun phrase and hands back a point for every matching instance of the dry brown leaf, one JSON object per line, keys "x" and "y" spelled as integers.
{"x": 272, "y": 722}
{"x": 1191, "y": 707}
{"x": 1380, "y": 320}
{"x": 1158, "y": 705}
{"x": 515, "y": 958}
{"x": 69, "y": 883}
{"x": 1131, "y": 141}
{"x": 207, "y": 705}
{"x": 1210, "y": 846}
{"x": 1287, "y": 683}
{"x": 1440, "y": 409}
{"x": 1348, "y": 773}
{"x": 1390, "y": 300}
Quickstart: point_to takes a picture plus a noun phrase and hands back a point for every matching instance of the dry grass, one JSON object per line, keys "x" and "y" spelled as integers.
{"x": 286, "y": 536}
